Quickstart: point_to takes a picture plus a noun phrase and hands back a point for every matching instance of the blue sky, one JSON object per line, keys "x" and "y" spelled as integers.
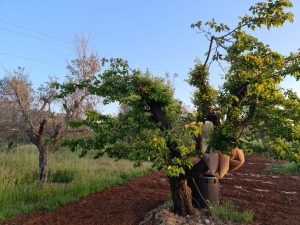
{"x": 152, "y": 34}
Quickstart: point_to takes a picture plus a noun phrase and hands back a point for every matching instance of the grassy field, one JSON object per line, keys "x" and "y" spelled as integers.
{"x": 292, "y": 168}
{"x": 70, "y": 178}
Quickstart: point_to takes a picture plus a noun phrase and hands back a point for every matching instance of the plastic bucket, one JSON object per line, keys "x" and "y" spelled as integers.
{"x": 209, "y": 187}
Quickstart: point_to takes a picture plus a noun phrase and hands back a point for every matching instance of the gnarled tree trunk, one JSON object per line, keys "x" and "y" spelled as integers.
{"x": 182, "y": 196}
{"x": 181, "y": 193}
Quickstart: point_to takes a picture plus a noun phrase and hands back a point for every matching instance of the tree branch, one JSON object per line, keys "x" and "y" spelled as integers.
{"x": 208, "y": 53}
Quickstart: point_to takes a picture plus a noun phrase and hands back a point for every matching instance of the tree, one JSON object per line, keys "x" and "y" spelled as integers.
{"x": 155, "y": 128}
{"x": 9, "y": 134}
{"x": 36, "y": 109}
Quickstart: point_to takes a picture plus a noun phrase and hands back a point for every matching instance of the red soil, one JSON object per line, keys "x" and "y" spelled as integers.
{"x": 274, "y": 199}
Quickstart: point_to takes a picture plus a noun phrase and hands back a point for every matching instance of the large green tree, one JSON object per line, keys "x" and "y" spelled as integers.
{"x": 156, "y": 129}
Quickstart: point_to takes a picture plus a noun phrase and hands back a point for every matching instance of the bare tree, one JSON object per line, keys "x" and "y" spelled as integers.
{"x": 85, "y": 66}
{"x": 37, "y": 109}
{"x": 9, "y": 131}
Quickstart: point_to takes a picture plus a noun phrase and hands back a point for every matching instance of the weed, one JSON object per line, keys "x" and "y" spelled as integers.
{"x": 169, "y": 199}
{"x": 285, "y": 168}
{"x": 61, "y": 176}
{"x": 227, "y": 213}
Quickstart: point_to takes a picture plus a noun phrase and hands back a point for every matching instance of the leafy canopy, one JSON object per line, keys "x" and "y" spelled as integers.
{"x": 134, "y": 134}
{"x": 252, "y": 105}
{"x": 248, "y": 108}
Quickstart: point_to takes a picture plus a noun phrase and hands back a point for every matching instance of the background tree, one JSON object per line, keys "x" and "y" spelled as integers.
{"x": 250, "y": 99}
{"x": 36, "y": 110}
{"x": 9, "y": 119}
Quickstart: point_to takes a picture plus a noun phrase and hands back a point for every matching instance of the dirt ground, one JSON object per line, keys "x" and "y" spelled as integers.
{"x": 274, "y": 199}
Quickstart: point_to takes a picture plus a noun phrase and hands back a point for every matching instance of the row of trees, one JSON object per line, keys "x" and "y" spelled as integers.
{"x": 153, "y": 126}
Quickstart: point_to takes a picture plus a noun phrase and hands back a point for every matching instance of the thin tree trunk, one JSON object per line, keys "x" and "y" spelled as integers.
{"x": 182, "y": 197}
{"x": 9, "y": 147}
{"x": 43, "y": 163}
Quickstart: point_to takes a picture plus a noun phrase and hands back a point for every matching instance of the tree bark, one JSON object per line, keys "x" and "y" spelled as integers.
{"x": 199, "y": 143}
{"x": 181, "y": 193}
{"x": 182, "y": 196}
{"x": 43, "y": 163}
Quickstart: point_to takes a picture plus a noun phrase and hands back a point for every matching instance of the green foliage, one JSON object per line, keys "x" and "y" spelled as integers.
{"x": 134, "y": 134}
{"x": 226, "y": 212}
{"x": 205, "y": 95}
{"x": 250, "y": 102}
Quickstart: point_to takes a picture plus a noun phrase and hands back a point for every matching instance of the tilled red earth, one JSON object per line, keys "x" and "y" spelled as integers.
{"x": 274, "y": 199}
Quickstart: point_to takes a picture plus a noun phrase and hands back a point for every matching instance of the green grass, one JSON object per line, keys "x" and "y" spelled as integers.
{"x": 226, "y": 212}
{"x": 292, "y": 168}
{"x": 70, "y": 178}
